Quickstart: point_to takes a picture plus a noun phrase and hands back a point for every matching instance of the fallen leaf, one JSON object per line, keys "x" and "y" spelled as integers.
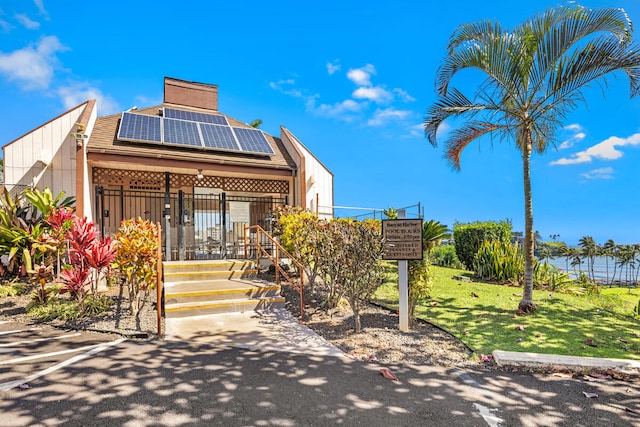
{"x": 520, "y": 339}
{"x": 563, "y": 375}
{"x": 590, "y": 342}
{"x": 433, "y": 303}
{"x": 519, "y": 328}
{"x": 23, "y": 386}
{"x": 514, "y": 316}
{"x": 487, "y": 358}
{"x": 538, "y": 335}
{"x": 588, "y": 378}
{"x": 633, "y": 411}
{"x": 589, "y": 395}
{"x": 517, "y": 295}
{"x": 601, "y": 376}
{"x": 388, "y": 374}
{"x": 623, "y": 341}
{"x": 475, "y": 295}
{"x": 465, "y": 332}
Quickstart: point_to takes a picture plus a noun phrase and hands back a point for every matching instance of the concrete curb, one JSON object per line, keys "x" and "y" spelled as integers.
{"x": 513, "y": 358}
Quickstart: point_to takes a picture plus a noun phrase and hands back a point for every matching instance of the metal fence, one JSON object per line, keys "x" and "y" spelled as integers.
{"x": 194, "y": 226}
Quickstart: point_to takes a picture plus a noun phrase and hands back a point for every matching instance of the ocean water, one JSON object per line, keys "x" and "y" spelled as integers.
{"x": 599, "y": 267}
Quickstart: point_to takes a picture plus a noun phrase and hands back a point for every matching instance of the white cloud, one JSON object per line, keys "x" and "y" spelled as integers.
{"x": 605, "y": 150}
{"x": 601, "y": 173}
{"x": 568, "y": 143}
{"x": 27, "y": 22}
{"x": 332, "y": 67}
{"x": 341, "y": 110}
{"x": 78, "y": 92}
{"x": 382, "y": 117}
{"x": 4, "y": 24}
{"x": 32, "y": 67}
{"x": 403, "y": 95}
{"x": 40, "y": 5}
{"x": 573, "y": 127}
{"x": 361, "y": 76}
{"x": 376, "y": 94}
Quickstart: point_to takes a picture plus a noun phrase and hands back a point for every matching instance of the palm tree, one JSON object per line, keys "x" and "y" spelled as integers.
{"x": 589, "y": 251}
{"x": 535, "y": 75}
{"x": 608, "y": 251}
{"x": 564, "y": 251}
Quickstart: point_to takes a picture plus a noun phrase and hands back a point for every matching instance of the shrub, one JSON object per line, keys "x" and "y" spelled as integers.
{"x": 54, "y": 309}
{"x": 137, "y": 258}
{"x": 445, "y": 256}
{"x": 419, "y": 279}
{"x": 12, "y": 289}
{"x": 350, "y": 258}
{"x": 468, "y": 237}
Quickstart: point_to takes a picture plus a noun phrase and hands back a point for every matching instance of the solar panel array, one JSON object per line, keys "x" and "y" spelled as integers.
{"x": 192, "y": 129}
{"x": 194, "y": 116}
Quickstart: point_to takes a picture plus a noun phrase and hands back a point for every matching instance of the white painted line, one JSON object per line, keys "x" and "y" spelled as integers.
{"x": 46, "y": 355}
{"x": 485, "y": 412}
{"x": 11, "y": 344}
{"x": 13, "y": 384}
{"x": 17, "y": 331}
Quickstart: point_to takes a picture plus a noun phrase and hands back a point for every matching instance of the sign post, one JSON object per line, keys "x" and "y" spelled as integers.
{"x": 403, "y": 242}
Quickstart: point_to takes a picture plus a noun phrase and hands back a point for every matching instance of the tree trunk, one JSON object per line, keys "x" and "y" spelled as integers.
{"x": 527, "y": 305}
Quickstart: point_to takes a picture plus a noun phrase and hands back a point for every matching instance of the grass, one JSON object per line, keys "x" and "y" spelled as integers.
{"x": 596, "y": 326}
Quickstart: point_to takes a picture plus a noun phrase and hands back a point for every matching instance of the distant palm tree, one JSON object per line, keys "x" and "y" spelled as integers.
{"x": 609, "y": 251}
{"x": 535, "y": 75}
{"x": 564, "y": 251}
{"x": 589, "y": 251}
{"x": 256, "y": 123}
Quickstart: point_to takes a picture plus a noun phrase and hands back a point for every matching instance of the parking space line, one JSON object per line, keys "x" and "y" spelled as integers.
{"x": 46, "y": 355}
{"x": 17, "y": 331}
{"x": 96, "y": 349}
{"x": 15, "y": 343}
{"x": 486, "y": 413}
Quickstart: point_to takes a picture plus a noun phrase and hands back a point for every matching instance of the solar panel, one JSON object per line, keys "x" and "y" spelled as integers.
{"x": 180, "y": 132}
{"x": 218, "y": 137}
{"x": 138, "y": 127}
{"x": 194, "y": 116}
{"x": 253, "y": 141}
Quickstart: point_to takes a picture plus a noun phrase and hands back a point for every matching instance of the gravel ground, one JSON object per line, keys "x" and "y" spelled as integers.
{"x": 380, "y": 339}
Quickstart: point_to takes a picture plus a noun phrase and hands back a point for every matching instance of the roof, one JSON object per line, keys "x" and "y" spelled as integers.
{"x": 104, "y": 140}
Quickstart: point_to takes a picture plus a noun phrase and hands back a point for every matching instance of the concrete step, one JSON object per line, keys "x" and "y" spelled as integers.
{"x": 207, "y": 266}
{"x": 200, "y": 308}
{"x": 199, "y": 276}
{"x": 218, "y": 290}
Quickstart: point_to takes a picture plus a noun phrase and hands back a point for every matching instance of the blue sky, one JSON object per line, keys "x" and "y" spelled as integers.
{"x": 352, "y": 80}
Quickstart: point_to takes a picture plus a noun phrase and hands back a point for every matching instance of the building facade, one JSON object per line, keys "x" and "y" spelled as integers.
{"x": 201, "y": 174}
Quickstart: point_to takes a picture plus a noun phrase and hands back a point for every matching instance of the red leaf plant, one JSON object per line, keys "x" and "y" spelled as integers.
{"x": 75, "y": 281}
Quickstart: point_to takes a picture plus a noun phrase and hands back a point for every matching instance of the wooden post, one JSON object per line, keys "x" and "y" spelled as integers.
{"x": 159, "y": 283}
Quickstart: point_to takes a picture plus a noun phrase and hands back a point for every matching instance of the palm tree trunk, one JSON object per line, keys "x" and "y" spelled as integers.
{"x": 527, "y": 305}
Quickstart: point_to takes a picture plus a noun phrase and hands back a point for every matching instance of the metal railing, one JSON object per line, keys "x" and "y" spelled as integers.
{"x": 260, "y": 249}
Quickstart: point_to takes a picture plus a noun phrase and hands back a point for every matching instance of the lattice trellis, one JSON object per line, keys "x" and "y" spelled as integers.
{"x": 144, "y": 180}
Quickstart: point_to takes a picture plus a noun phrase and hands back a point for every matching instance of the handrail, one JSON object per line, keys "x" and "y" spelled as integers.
{"x": 159, "y": 279}
{"x": 279, "y": 270}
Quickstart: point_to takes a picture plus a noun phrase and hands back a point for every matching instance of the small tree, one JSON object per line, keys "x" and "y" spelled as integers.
{"x": 136, "y": 256}
{"x": 353, "y": 254}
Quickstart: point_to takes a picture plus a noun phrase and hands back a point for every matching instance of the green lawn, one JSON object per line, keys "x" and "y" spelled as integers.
{"x": 563, "y": 324}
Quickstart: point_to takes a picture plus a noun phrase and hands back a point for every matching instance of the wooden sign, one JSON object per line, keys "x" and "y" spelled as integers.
{"x": 403, "y": 239}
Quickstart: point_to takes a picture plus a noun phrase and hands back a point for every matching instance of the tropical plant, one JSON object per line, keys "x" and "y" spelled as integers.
{"x": 432, "y": 233}
{"x": 45, "y": 202}
{"x": 535, "y": 76}
{"x": 499, "y": 261}
{"x": 136, "y": 257}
